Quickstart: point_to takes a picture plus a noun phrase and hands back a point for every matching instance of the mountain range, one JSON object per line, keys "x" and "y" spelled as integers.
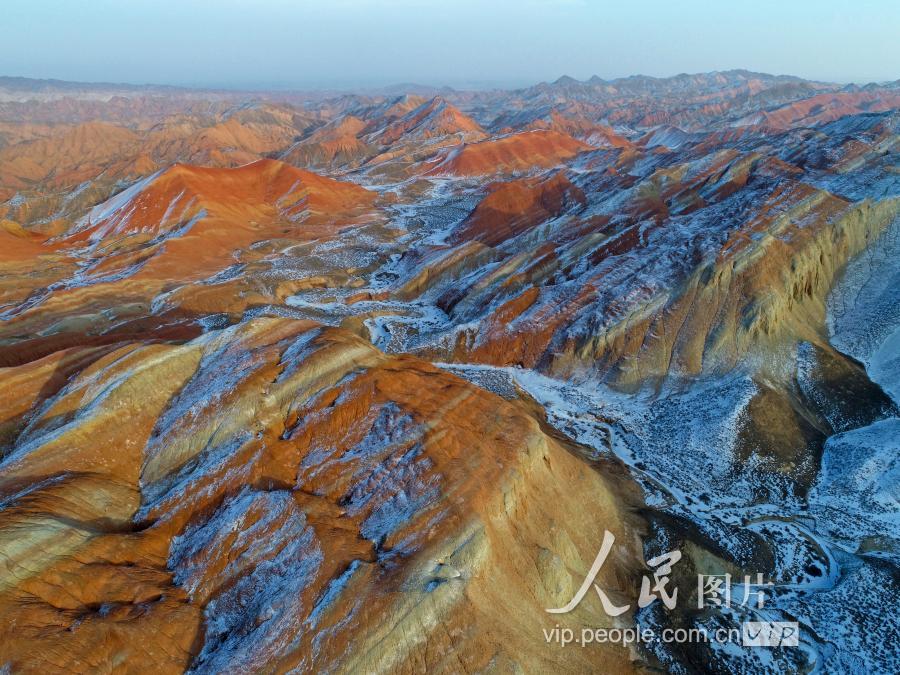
{"x": 356, "y": 381}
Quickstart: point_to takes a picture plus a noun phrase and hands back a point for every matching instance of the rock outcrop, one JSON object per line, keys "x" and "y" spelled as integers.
{"x": 280, "y": 491}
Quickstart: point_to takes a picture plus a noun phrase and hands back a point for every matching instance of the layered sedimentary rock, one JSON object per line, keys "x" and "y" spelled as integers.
{"x": 515, "y": 207}
{"x": 358, "y": 382}
{"x": 281, "y": 491}
{"x": 123, "y": 260}
{"x": 690, "y": 266}
{"x": 335, "y": 144}
{"x": 516, "y": 153}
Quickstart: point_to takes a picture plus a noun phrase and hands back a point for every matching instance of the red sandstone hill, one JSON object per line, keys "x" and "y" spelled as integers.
{"x": 203, "y": 215}
{"x": 524, "y": 151}
{"x": 580, "y": 127}
{"x": 67, "y": 157}
{"x": 516, "y": 206}
{"x": 391, "y": 110}
{"x": 337, "y": 143}
{"x": 824, "y": 108}
{"x": 18, "y": 244}
{"x": 45, "y": 159}
{"x": 262, "y": 191}
{"x": 432, "y": 119}
{"x": 406, "y": 129}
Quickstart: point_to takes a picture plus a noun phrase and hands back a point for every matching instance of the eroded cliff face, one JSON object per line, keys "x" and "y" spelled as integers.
{"x": 279, "y": 491}
{"x": 764, "y": 291}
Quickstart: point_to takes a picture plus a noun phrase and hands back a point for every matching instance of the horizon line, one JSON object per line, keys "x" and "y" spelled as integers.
{"x": 462, "y": 86}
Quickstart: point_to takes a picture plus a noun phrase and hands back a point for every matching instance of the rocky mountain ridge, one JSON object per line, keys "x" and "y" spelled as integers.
{"x": 358, "y": 382}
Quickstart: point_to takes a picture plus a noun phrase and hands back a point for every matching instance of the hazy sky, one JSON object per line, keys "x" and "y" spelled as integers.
{"x": 346, "y": 43}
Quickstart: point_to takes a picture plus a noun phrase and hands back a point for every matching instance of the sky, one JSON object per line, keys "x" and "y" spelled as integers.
{"x": 459, "y": 43}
